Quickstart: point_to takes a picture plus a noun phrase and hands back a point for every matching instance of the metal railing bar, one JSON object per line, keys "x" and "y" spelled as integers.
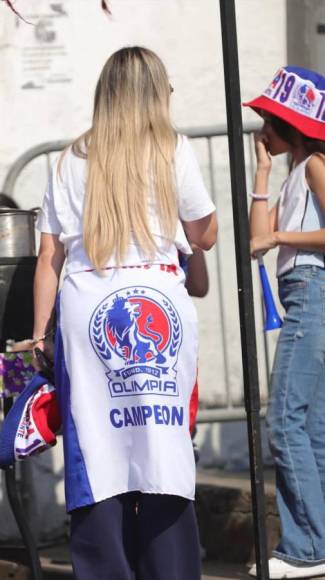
{"x": 27, "y": 157}
{"x": 219, "y": 278}
{"x": 225, "y": 414}
{"x": 219, "y": 130}
{"x": 52, "y": 146}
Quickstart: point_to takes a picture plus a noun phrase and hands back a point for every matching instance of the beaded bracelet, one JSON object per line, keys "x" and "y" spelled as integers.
{"x": 260, "y": 196}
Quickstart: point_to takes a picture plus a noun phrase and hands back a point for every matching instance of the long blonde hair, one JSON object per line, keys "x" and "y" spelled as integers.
{"x": 130, "y": 149}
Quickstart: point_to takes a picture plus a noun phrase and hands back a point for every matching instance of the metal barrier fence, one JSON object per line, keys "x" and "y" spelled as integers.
{"x": 229, "y": 411}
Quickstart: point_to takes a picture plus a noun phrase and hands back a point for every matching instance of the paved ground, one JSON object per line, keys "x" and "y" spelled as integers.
{"x": 211, "y": 571}
{"x": 56, "y": 563}
{"x": 56, "y": 566}
{"x": 217, "y": 571}
{"x": 52, "y": 571}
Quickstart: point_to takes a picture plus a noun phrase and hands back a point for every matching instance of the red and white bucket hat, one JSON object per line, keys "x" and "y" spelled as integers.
{"x": 297, "y": 96}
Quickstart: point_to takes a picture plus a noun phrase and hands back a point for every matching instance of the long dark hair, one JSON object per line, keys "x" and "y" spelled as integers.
{"x": 292, "y": 136}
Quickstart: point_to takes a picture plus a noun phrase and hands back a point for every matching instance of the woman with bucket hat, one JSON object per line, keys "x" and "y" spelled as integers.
{"x": 293, "y": 110}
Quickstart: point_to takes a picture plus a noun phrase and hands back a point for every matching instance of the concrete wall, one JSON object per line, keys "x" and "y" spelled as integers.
{"x": 47, "y": 77}
{"x": 306, "y": 33}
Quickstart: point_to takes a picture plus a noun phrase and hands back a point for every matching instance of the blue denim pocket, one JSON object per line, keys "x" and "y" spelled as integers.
{"x": 292, "y": 293}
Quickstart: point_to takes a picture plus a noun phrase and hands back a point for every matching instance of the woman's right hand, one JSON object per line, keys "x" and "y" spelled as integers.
{"x": 47, "y": 347}
{"x": 263, "y": 158}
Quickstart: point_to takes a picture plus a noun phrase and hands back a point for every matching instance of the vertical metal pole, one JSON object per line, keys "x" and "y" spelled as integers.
{"x": 244, "y": 278}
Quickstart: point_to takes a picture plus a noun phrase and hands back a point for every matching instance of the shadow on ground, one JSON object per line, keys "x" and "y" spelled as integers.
{"x": 218, "y": 571}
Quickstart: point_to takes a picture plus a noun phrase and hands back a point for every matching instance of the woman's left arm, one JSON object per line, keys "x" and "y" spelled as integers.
{"x": 48, "y": 269}
{"x": 197, "y": 281}
{"x": 309, "y": 241}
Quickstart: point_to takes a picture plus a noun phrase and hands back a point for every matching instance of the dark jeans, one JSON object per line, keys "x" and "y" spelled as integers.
{"x": 136, "y": 536}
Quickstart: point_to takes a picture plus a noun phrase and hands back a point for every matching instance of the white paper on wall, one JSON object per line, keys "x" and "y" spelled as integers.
{"x": 42, "y": 45}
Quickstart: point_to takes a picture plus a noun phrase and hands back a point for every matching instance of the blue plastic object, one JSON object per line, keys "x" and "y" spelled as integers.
{"x": 272, "y": 318}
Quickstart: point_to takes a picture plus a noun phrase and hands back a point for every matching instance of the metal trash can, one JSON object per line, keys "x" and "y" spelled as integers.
{"x": 17, "y": 232}
{"x": 16, "y": 298}
{"x": 17, "y": 268}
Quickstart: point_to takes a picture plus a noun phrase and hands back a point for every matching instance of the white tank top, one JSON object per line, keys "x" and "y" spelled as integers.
{"x": 298, "y": 211}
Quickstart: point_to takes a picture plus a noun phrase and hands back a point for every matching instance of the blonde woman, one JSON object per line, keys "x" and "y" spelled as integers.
{"x": 122, "y": 201}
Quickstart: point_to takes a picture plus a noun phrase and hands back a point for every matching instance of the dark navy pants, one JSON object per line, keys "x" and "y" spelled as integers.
{"x": 136, "y": 536}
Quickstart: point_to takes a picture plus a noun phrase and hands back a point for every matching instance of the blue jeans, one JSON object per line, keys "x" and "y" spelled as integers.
{"x": 296, "y": 416}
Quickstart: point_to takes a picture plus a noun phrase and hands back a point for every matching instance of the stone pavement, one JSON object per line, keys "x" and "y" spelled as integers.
{"x": 224, "y": 510}
{"x": 56, "y": 565}
{"x": 54, "y": 570}
{"x": 224, "y": 513}
{"x": 218, "y": 571}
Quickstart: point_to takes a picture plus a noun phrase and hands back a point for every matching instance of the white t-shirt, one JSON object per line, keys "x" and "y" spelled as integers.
{"x": 298, "y": 211}
{"x": 62, "y": 210}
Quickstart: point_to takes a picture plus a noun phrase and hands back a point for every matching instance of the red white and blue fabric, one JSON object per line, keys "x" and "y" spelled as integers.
{"x": 38, "y": 424}
{"x": 297, "y": 96}
{"x": 126, "y": 347}
{"x": 31, "y": 424}
{"x": 126, "y": 366}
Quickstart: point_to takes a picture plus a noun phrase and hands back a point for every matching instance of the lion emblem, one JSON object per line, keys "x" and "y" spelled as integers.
{"x": 134, "y": 343}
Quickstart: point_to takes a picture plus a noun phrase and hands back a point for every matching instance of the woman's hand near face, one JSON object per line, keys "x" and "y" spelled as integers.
{"x": 263, "y": 158}
{"x": 262, "y": 220}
